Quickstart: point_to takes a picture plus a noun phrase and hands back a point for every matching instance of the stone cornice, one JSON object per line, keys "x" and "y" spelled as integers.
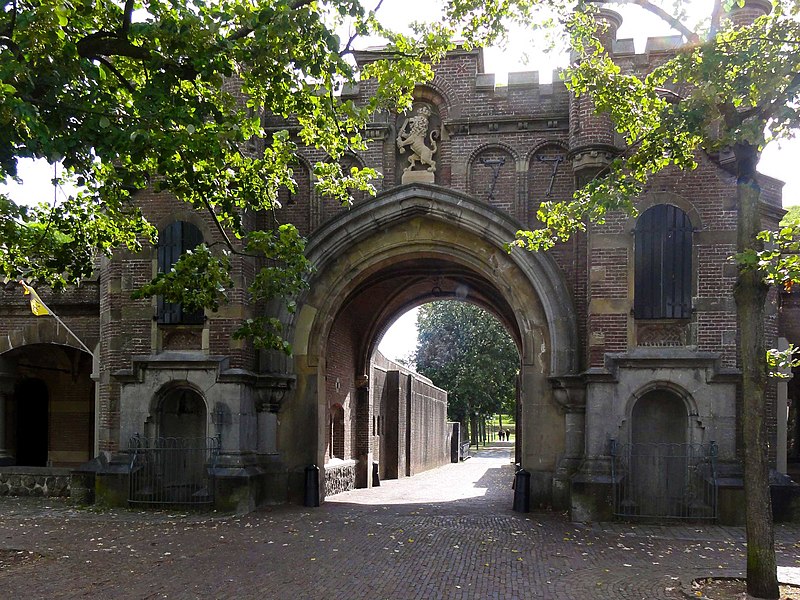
{"x": 663, "y": 358}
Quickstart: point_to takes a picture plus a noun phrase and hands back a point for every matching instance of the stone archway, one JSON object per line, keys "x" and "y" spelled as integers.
{"x": 47, "y": 402}
{"x": 380, "y": 259}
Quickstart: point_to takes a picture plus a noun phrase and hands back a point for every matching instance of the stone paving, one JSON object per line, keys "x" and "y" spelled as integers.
{"x": 447, "y": 533}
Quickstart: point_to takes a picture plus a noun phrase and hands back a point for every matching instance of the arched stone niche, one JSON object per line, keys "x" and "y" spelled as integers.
{"x": 550, "y": 178}
{"x": 296, "y": 207}
{"x": 493, "y": 176}
{"x": 182, "y": 413}
{"x": 420, "y": 140}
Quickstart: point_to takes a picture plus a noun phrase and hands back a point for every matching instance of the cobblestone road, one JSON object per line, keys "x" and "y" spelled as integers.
{"x": 448, "y": 533}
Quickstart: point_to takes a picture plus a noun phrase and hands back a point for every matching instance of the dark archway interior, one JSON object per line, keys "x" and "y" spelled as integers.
{"x": 32, "y": 402}
{"x": 50, "y": 419}
{"x": 183, "y": 414}
{"x": 403, "y": 283}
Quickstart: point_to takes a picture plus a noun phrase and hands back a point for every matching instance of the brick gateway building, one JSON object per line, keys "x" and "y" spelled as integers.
{"x": 628, "y": 382}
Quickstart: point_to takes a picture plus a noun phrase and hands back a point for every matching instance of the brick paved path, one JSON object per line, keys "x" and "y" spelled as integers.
{"x": 448, "y": 533}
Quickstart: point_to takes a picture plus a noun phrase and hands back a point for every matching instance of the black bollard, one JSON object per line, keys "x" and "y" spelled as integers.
{"x": 522, "y": 491}
{"x": 312, "y": 486}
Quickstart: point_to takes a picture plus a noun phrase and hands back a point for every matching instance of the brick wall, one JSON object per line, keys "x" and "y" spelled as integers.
{"x": 414, "y": 434}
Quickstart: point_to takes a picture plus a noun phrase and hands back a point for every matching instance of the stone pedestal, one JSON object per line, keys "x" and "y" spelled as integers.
{"x": 570, "y": 394}
{"x": 591, "y": 492}
{"x": 418, "y": 177}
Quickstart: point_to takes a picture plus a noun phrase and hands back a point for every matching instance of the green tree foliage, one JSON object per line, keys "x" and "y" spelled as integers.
{"x": 730, "y": 89}
{"x": 792, "y": 216}
{"x": 171, "y": 96}
{"x": 467, "y": 351}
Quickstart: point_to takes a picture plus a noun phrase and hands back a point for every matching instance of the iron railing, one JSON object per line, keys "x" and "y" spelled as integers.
{"x": 172, "y": 471}
{"x": 664, "y": 481}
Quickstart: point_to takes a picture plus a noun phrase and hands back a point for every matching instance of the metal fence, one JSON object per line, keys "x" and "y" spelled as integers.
{"x": 172, "y": 471}
{"x": 665, "y": 481}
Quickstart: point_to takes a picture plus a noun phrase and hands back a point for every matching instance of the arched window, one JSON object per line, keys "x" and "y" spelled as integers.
{"x": 663, "y": 271}
{"x": 337, "y": 431}
{"x": 174, "y": 240}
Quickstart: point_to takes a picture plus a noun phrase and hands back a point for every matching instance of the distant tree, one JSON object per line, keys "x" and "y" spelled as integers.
{"x": 466, "y": 351}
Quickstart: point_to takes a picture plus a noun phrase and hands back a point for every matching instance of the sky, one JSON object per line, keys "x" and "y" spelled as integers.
{"x": 779, "y": 161}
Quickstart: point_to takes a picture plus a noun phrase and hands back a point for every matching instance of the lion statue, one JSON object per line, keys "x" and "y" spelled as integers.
{"x": 412, "y": 134}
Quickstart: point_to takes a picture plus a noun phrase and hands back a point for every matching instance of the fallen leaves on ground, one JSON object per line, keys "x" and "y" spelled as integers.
{"x": 735, "y": 589}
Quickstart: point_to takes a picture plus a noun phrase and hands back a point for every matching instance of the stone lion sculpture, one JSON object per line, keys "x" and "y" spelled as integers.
{"x": 412, "y": 135}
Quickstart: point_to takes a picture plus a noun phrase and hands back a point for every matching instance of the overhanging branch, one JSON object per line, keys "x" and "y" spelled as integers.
{"x": 671, "y": 20}
{"x": 104, "y": 43}
{"x": 128, "y": 85}
{"x": 126, "y": 18}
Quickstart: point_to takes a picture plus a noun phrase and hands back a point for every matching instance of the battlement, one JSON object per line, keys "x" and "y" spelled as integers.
{"x": 530, "y": 81}
{"x": 520, "y": 80}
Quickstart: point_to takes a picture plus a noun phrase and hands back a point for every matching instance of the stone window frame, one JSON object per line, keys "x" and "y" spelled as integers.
{"x": 174, "y": 240}
{"x": 673, "y": 300}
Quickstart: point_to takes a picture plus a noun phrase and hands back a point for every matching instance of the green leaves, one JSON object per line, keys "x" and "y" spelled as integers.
{"x": 281, "y": 280}
{"x": 184, "y": 99}
{"x": 197, "y": 280}
{"x": 740, "y": 87}
{"x": 776, "y": 256}
{"x": 781, "y": 362}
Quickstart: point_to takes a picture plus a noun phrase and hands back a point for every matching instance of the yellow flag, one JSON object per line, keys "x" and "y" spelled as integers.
{"x": 38, "y": 307}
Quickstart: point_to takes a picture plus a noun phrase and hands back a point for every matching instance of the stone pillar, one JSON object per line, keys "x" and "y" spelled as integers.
{"x": 541, "y": 431}
{"x": 591, "y": 490}
{"x": 741, "y": 16}
{"x": 267, "y": 407}
{"x": 363, "y": 411}
{"x": 267, "y": 432}
{"x": 96, "y": 379}
{"x": 570, "y": 394}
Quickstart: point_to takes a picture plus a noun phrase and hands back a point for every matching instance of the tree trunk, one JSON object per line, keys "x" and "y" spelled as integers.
{"x": 473, "y": 430}
{"x": 750, "y": 295}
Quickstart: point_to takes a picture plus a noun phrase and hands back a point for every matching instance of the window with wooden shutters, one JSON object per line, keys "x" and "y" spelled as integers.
{"x": 663, "y": 271}
{"x": 175, "y": 239}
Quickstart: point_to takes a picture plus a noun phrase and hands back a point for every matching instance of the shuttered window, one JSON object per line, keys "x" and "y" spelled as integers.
{"x": 663, "y": 271}
{"x": 175, "y": 239}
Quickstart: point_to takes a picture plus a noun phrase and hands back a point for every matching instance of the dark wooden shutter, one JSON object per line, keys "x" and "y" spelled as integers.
{"x": 173, "y": 241}
{"x": 191, "y": 238}
{"x": 169, "y": 249}
{"x": 677, "y": 266}
{"x": 663, "y": 264}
